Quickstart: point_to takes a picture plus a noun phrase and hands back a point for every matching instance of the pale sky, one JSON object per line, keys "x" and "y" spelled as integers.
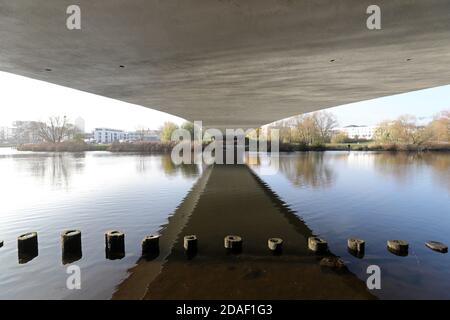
{"x": 423, "y": 104}
{"x": 28, "y": 99}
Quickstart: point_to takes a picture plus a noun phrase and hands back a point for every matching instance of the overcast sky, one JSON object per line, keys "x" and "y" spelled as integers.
{"x": 27, "y": 99}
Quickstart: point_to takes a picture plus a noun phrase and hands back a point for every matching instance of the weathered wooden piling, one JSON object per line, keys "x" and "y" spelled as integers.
{"x": 333, "y": 263}
{"x": 27, "y": 245}
{"x": 437, "y": 246}
{"x": 71, "y": 246}
{"x": 398, "y": 247}
{"x": 190, "y": 243}
{"x": 317, "y": 244}
{"x": 356, "y": 247}
{"x": 114, "y": 244}
{"x": 275, "y": 244}
{"x": 150, "y": 246}
{"x": 233, "y": 243}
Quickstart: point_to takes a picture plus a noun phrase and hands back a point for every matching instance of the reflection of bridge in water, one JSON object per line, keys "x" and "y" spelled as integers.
{"x": 229, "y": 199}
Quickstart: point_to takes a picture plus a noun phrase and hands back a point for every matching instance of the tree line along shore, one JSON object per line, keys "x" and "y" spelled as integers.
{"x": 309, "y": 132}
{"x": 166, "y": 147}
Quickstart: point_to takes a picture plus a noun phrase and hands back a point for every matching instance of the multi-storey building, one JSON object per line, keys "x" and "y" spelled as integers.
{"x": 107, "y": 135}
{"x": 358, "y": 132}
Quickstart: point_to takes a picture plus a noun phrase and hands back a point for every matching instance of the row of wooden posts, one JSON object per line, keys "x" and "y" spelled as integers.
{"x": 115, "y": 245}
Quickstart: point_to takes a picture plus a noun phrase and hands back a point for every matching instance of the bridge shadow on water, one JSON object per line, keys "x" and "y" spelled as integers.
{"x": 231, "y": 199}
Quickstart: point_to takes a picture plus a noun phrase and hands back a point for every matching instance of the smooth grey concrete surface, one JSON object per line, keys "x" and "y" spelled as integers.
{"x": 230, "y": 63}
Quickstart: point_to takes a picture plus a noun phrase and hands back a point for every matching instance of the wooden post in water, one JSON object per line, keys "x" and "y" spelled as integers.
{"x": 398, "y": 247}
{"x": 190, "y": 243}
{"x": 114, "y": 245}
{"x": 435, "y": 246}
{"x": 71, "y": 246}
{"x": 356, "y": 247}
{"x": 150, "y": 246}
{"x": 275, "y": 245}
{"x": 233, "y": 243}
{"x": 27, "y": 245}
{"x": 317, "y": 244}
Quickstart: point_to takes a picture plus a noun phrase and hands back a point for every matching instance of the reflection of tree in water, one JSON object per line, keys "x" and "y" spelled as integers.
{"x": 252, "y": 159}
{"x": 308, "y": 169}
{"x": 170, "y": 169}
{"x": 401, "y": 165}
{"x": 57, "y": 167}
{"x": 142, "y": 163}
{"x": 440, "y": 163}
{"x": 168, "y": 166}
{"x": 189, "y": 170}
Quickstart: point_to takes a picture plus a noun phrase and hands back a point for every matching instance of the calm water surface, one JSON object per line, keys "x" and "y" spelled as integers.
{"x": 92, "y": 192}
{"x": 375, "y": 196}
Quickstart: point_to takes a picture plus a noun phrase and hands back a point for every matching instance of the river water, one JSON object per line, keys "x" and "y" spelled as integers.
{"x": 376, "y": 196}
{"x": 92, "y": 192}
{"x": 337, "y": 195}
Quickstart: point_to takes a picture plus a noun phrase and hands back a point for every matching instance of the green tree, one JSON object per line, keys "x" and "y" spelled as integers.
{"x": 439, "y": 128}
{"x": 403, "y": 130}
{"x": 189, "y": 126}
{"x": 166, "y": 130}
{"x": 339, "y": 137}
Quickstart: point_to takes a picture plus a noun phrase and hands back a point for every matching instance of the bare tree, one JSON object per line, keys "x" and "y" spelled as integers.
{"x": 403, "y": 130}
{"x": 54, "y": 130}
{"x": 324, "y": 122}
{"x": 141, "y": 132}
{"x": 306, "y": 131}
{"x": 440, "y": 127}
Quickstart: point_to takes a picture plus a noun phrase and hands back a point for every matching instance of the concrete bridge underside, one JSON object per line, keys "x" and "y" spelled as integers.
{"x": 230, "y": 63}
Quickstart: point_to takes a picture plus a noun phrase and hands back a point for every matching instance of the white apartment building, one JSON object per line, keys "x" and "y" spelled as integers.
{"x": 107, "y": 135}
{"x": 143, "y": 135}
{"x": 358, "y": 132}
{"x": 6, "y": 134}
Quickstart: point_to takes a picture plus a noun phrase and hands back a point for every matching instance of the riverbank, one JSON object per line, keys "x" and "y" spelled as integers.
{"x": 156, "y": 147}
{"x": 290, "y": 147}
{"x": 166, "y": 147}
{"x": 142, "y": 146}
{"x": 66, "y": 146}
{"x": 72, "y": 146}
